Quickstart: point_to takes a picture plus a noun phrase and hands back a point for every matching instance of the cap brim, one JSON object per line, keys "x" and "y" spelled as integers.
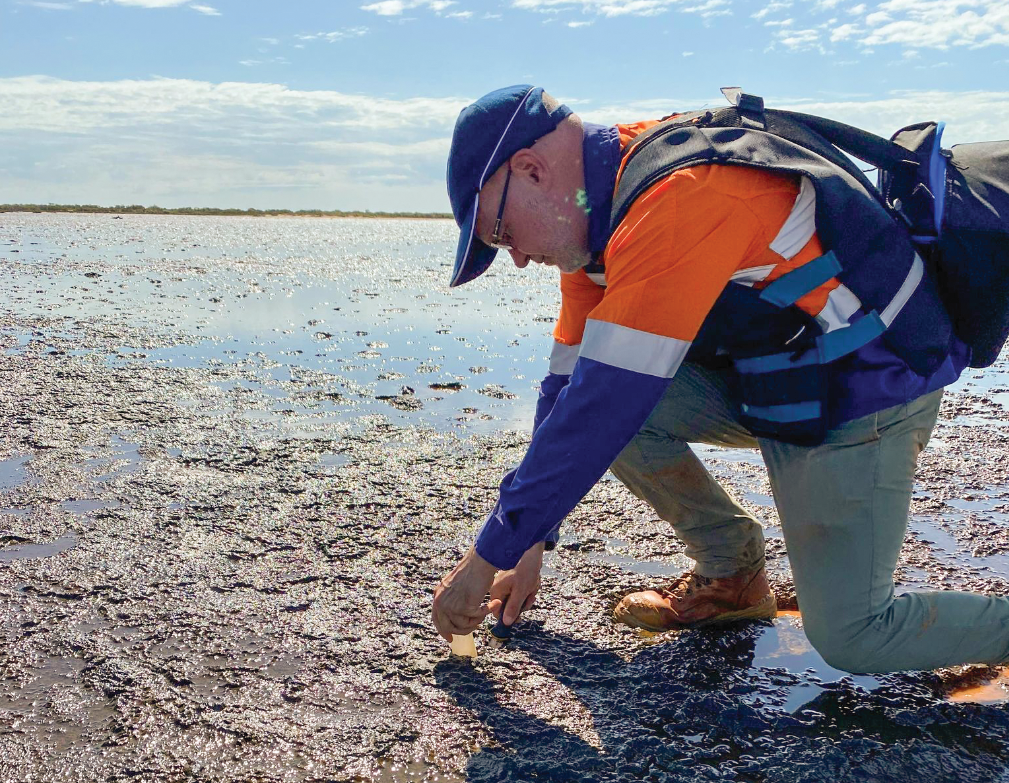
{"x": 472, "y": 257}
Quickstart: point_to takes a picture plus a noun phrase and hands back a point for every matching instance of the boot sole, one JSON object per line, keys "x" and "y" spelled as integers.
{"x": 766, "y": 609}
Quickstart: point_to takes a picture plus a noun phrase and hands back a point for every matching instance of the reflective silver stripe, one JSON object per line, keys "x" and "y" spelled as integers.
{"x": 631, "y": 349}
{"x": 800, "y": 225}
{"x": 752, "y": 275}
{"x": 841, "y": 305}
{"x": 563, "y": 358}
{"x": 906, "y": 290}
{"x": 599, "y": 278}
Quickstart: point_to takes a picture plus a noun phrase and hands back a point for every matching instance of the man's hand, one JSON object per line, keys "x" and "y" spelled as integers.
{"x": 516, "y": 590}
{"x": 458, "y": 606}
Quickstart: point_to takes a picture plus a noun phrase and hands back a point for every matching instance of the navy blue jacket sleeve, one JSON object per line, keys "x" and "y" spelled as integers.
{"x": 594, "y": 417}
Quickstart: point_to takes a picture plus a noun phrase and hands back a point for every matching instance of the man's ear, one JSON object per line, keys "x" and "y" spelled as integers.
{"x": 530, "y": 165}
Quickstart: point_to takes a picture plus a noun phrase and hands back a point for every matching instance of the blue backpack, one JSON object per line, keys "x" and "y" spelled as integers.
{"x": 955, "y": 206}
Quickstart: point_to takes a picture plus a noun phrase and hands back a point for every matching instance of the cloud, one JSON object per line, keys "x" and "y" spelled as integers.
{"x": 269, "y": 61}
{"x": 45, "y": 6}
{"x": 151, "y": 3}
{"x": 580, "y": 24}
{"x": 800, "y": 40}
{"x": 46, "y": 104}
{"x": 176, "y": 142}
{"x": 912, "y": 24}
{"x": 970, "y": 116}
{"x": 397, "y": 7}
{"x": 377, "y": 150}
{"x": 387, "y": 7}
{"x": 709, "y": 9}
{"x": 600, "y": 7}
{"x": 845, "y": 32}
{"x": 201, "y": 8}
{"x": 771, "y": 8}
{"x": 335, "y": 35}
{"x": 938, "y": 24}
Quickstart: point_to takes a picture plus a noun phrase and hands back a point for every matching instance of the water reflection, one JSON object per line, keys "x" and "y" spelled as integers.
{"x": 784, "y": 646}
{"x": 353, "y": 301}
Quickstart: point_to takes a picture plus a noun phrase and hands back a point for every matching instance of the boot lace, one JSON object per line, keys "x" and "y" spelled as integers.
{"x": 685, "y": 585}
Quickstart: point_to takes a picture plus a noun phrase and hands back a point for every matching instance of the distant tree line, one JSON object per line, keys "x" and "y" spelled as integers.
{"x": 137, "y": 209}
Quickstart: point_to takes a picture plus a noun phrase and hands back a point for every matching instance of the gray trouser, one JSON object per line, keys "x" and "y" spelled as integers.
{"x": 843, "y": 507}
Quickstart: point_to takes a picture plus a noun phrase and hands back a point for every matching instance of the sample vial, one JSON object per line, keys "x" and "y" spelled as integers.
{"x": 464, "y": 646}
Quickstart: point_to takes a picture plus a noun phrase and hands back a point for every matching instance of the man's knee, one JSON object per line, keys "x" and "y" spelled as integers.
{"x": 646, "y": 452}
{"x": 853, "y": 647}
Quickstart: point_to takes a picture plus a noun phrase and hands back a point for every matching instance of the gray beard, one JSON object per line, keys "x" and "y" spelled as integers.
{"x": 573, "y": 261}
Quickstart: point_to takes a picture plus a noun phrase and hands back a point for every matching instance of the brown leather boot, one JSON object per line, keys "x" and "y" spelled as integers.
{"x": 694, "y": 601}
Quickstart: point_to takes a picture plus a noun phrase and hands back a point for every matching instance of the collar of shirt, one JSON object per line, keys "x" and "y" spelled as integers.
{"x": 601, "y": 155}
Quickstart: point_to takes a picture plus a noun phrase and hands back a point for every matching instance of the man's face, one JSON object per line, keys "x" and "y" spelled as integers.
{"x": 545, "y": 225}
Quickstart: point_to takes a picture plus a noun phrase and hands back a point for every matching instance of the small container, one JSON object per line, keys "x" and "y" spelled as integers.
{"x": 502, "y": 632}
{"x": 464, "y": 646}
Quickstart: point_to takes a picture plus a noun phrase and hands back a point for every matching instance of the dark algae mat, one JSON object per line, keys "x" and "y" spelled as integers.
{"x": 218, "y": 566}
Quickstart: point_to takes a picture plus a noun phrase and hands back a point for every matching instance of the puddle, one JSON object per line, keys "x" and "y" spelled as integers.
{"x": 34, "y": 551}
{"x": 948, "y": 550}
{"x": 13, "y": 472}
{"x": 758, "y": 499}
{"x": 784, "y": 646}
{"x": 87, "y": 506}
{"x": 57, "y": 688}
{"x": 124, "y": 459}
{"x": 745, "y": 456}
{"x": 982, "y": 504}
{"x": 614, "y": 555}
{"x": 988, "y": 691}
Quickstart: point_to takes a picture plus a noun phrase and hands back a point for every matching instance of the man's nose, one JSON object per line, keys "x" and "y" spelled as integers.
{"x": 521, "y": 259}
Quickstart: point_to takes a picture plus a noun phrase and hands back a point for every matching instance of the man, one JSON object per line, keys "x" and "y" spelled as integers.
{"x": 527, "y": 176}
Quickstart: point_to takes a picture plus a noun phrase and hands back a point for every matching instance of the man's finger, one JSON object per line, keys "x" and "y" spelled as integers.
{"x": 513, "y": 608}
{"x": 454, "y": 627}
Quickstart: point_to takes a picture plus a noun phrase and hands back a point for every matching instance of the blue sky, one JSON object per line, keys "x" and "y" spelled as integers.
{"x": 350, "y": 105}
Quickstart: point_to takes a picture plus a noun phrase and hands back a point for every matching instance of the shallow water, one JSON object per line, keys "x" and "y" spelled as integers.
{"x": 239, "y": 452}
{"x": 357, "y": 305}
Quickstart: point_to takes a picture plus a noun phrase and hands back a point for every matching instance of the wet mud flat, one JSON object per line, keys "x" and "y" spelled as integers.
{"x": 217, "y": 551}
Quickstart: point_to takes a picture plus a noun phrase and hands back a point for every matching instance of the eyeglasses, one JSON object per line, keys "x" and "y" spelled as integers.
{"x": 496, "y": 240}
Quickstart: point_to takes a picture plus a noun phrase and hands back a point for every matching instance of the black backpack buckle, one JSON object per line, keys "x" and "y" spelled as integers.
{"x": 750, "y": 107}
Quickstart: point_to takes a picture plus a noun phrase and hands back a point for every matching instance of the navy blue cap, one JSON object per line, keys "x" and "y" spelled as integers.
{"x": 486, "y": 134}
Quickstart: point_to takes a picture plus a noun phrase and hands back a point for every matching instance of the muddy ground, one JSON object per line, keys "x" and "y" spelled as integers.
{"x": 202, "y": 578}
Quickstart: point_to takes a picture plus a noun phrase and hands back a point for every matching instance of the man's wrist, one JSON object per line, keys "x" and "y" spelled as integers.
{"x": 479, "y": 566}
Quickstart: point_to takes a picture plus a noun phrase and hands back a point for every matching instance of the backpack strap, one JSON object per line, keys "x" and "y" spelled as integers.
{"x": 900, "y": 164}
{"x": 866, "y": 146}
